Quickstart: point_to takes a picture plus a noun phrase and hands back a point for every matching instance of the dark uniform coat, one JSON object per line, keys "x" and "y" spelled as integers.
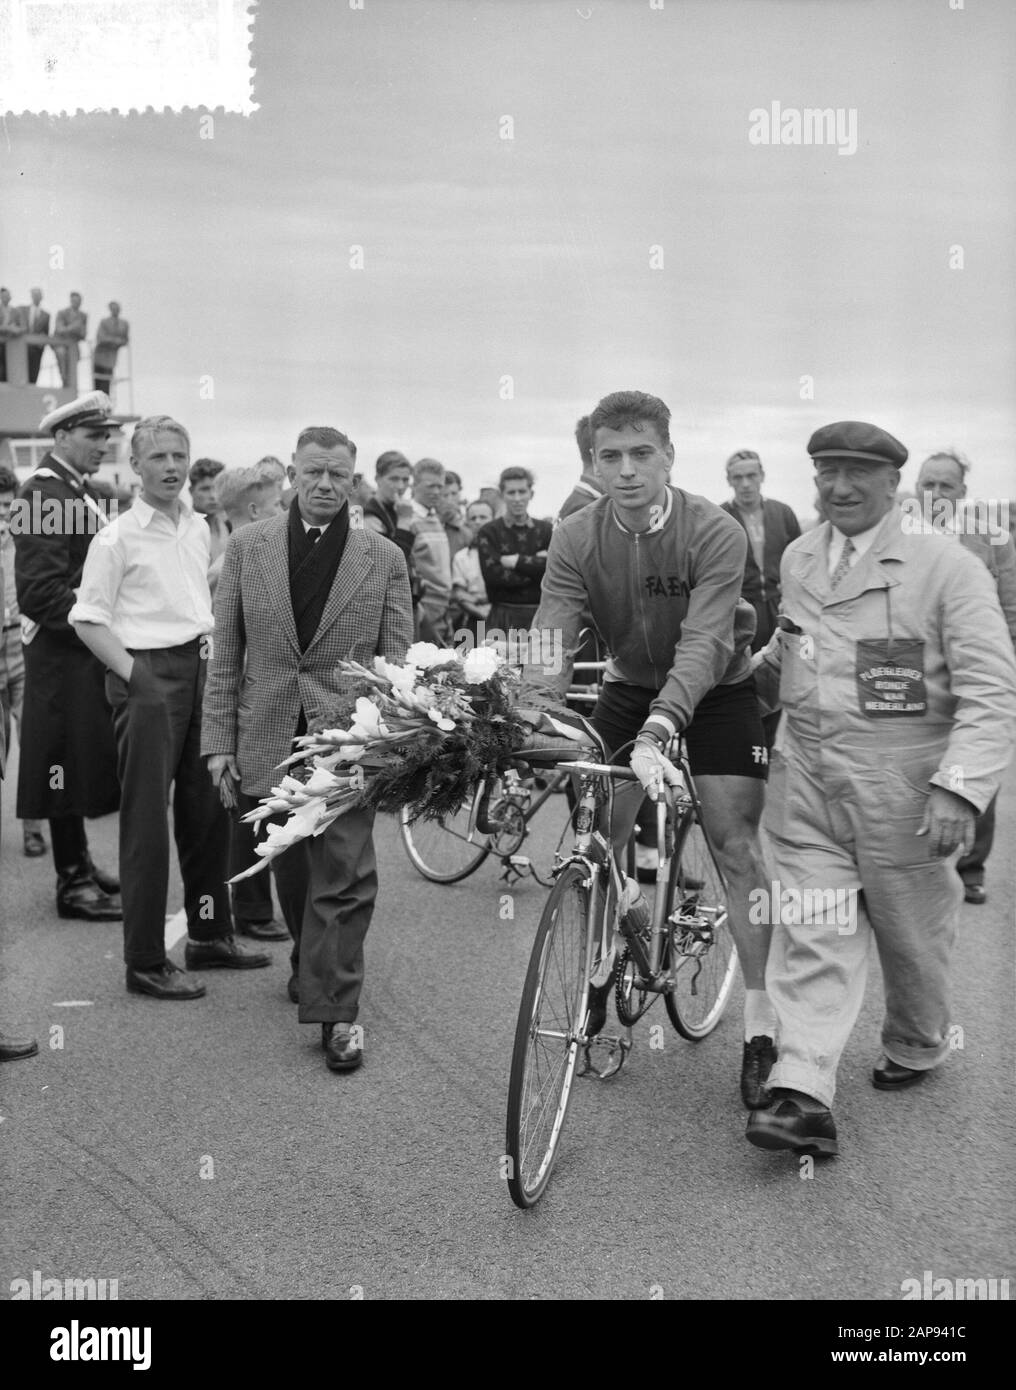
{"x": 68, "y": 754}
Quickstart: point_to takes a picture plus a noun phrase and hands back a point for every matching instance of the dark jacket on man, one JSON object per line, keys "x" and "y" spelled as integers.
{"x": 67, "y": 762}
{"x": 762, "y": 588}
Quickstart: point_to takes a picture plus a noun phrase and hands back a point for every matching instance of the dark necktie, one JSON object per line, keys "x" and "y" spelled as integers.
{"x": 313, "y": 534}
{"x": 843, "y": 565}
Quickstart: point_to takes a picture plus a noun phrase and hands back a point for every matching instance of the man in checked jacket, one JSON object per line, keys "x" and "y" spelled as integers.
{"x": 297, "y": 594}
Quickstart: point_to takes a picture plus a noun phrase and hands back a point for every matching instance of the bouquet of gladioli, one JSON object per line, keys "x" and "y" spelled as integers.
{"x": 422, "y": 738}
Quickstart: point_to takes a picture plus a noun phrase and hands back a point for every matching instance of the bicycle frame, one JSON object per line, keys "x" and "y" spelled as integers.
{"x": 597, "y": 854}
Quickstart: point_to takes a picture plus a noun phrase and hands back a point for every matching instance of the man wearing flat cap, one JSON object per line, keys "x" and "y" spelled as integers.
{"x": 898, "y": 684}
{"x": 68, "y": 756}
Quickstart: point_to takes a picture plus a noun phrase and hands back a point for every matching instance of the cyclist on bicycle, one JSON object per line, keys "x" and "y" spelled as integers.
{"x": 660, "y": 571}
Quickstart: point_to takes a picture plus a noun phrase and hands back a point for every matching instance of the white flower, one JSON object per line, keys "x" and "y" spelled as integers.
{"x": 423, "y": 696}
{"x": 424, "y": 655}
{"x": 278, "y": 838}
{"x": 441, "y": 720}
{"x": 367, "y": 720}
{"x": 480, "y": 664}
{"x": 399, "y": 677}
{"x": 320, "y": 782}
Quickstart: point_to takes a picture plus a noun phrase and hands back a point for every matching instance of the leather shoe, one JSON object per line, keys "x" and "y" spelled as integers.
{"x": 341, "y": 1052}
{"x": 79, "y": 896}
{"x": 262, "y": 931}
{"x": 972, "y": 893}
{"x": 756, "y": 1064}
{"x": 787, "y": 1126}
{"x": 166, "y": 981}
{"x": 13, "y": 1049}
{"x": 888, "y": 1075}
{"x": 35, "y": 845}
{"x": 222, "y": 954}
{"x": 109, "y": 883}
{"x": 293, "y": 988}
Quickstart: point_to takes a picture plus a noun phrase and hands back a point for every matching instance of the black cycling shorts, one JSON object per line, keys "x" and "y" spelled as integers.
{"x": 724, "y": 739}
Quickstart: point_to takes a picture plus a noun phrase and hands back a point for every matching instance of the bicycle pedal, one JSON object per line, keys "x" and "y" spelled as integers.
{"x": 618, "y": 1045}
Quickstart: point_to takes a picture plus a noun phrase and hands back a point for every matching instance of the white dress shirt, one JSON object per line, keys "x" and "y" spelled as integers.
{"x": 147, "y": 580}
{"x": 862, "y": 544}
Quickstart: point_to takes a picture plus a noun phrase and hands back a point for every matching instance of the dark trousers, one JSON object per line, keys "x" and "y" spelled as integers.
{"x": 70, "y": 843}
{"x": 340, "y": 904}
{"x": 252, "y": 898}
{"x": 292, "y": 876}
{"x": 971, "y": 866}
{"x": 157, "y": 720}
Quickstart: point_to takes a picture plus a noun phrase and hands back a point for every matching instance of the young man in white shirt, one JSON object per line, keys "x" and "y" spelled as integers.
{"x": 144, "y": 610}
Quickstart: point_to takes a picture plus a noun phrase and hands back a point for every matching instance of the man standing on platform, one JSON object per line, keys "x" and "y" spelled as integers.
{"x": 113, "y": 334}
{"x": 36, "y": 320}
{"x": 298, "y": 594}
{"x": 11, "y": 326}
{"x": 67, "y": 768}
{"x": 70, "y": 330}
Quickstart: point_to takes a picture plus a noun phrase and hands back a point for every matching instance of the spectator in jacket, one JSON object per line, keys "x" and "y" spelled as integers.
{"x": 942, "y": 479}
{"x": 770, "y": 527}
{"x": 513, "y": 554}
{"x": 469, "y": 594}
{"x": 431, "y": 552}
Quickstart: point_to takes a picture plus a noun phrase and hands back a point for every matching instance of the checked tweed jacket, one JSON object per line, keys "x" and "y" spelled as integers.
{"x": 258, "y": 681}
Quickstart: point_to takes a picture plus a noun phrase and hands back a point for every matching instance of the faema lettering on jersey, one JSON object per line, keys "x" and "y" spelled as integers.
{"x": 666, "y": 586}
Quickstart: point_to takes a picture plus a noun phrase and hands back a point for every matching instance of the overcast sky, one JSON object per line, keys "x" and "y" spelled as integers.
{"x": 530, "y": 257}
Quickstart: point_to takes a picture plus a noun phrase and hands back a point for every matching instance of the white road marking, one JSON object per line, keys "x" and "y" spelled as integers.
{"x": 73, "y": 1003}
{"x": 176, "y": 927}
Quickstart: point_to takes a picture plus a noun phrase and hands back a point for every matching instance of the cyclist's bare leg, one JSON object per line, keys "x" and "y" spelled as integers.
{"x": 731, "y": 811}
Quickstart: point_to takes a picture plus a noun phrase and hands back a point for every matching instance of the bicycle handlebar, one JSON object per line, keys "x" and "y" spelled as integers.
{"x": 621, "y": 774}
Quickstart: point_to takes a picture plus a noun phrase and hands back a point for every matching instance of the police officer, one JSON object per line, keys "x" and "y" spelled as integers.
{"x": 898, "y": 685}
{"x": 67, "y": 767}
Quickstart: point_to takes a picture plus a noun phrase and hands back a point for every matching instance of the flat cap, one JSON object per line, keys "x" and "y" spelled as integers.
{"x": 856, "y": 439}
{"x": 94, "y": 409}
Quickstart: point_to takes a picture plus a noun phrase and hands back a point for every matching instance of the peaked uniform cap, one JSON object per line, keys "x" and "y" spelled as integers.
{"x": 94, "y": 409}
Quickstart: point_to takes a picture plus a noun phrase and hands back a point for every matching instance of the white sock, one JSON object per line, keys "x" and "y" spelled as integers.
{"x": 759, "y": 1015}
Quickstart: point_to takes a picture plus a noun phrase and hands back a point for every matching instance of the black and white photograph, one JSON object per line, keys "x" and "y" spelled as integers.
{"x": 508, "y": 665}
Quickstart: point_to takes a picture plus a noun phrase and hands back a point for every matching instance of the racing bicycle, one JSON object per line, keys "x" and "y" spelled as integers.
{"x": 686, "y": 954}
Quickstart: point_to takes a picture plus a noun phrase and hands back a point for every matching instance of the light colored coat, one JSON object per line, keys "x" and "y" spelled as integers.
{"x": 928, "y": 588}
{"x": 258, "y": 681}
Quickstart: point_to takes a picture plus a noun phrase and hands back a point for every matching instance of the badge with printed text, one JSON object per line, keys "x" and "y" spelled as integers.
{"x": 890, "y": 678}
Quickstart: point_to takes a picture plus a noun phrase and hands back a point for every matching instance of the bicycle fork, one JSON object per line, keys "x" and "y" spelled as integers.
{"x": 599, "y": 950}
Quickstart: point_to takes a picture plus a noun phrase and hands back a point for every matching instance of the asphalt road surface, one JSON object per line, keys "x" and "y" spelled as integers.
{"x": 202, "y": 1150}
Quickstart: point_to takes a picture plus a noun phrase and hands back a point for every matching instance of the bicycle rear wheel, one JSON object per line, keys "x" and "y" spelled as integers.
{"x": 552, "y": 1019}
{"x": 700, "y": 945}
{"x": 441, "y": 849}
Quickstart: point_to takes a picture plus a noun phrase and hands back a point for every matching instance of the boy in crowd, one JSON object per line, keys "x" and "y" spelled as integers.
{"x": 144, "y": 610}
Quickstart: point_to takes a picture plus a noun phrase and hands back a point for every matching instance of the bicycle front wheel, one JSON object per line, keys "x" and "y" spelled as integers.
{"x": 700, "y": 947}
{"x": 552, "y": 1018}
{"x": 441, "y": 849}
